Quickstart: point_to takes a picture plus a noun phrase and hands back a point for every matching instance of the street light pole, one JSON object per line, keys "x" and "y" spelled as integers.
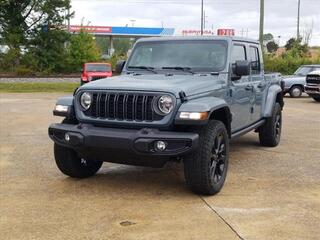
{"x": 298, "y": 21}
{"x": 201, "y": 17}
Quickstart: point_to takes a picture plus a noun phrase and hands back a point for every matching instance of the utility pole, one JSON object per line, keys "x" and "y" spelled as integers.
{"x": 298, "y": 21}
{"x": 261, "y": 22}
{"x": 202, "y": 18}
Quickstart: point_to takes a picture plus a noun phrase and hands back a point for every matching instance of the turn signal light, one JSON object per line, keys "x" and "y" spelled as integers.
{"x": 194, "y": 115}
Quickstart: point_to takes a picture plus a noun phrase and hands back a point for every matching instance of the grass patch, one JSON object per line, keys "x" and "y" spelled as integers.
{"x": 37, "y": 87}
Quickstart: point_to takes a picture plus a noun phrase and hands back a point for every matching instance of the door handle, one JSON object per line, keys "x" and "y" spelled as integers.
{"x": 249, "y": 87}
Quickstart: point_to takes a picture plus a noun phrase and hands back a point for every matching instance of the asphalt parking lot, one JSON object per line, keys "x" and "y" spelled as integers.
{"x": 270, "y": 193}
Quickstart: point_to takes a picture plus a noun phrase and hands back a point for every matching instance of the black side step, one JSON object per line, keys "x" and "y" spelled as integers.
{"x": 247, "y": 129}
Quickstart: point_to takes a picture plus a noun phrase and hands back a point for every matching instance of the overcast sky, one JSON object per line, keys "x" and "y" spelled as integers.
{"x": 280, "y": 15}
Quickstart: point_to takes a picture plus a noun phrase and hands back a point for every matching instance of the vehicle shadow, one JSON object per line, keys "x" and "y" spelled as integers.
{"x": 117, "y": 179}
{"x": 169, "y": 180}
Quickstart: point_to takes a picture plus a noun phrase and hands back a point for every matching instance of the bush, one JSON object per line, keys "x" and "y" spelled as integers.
{"x": 288, "y": 63}
{"x": 24, "y": 71}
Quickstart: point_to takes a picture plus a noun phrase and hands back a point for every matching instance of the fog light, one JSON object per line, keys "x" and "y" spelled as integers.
{"x": 67, "y": 137}
{"x": 161, "y": 145}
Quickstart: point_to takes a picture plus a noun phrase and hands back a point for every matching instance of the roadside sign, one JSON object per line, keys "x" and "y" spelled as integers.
{"x": 225, "y": 32}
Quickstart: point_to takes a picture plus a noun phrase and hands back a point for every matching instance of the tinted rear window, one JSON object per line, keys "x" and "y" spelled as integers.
{"x": 97, "y": 68}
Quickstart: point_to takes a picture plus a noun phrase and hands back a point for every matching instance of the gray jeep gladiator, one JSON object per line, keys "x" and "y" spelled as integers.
{"x": 176, "y": 99}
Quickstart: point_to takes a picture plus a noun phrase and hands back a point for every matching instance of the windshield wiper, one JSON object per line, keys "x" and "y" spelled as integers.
{"x": 184, "y": 69}
{"x": 151, "y": 69}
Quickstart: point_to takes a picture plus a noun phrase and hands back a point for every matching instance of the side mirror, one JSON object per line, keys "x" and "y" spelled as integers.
{"x": 241, "y": 68}
{"x": 119, "y": 66}
{"x": 81, "y": 69}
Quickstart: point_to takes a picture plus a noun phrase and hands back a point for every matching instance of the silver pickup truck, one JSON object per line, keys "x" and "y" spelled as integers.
{"x": 294, "y": 84}
{"x": 176, "y": 99}
{"x": 312, "y": 87}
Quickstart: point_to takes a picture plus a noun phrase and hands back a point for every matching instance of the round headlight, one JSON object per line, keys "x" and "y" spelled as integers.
{"x": 85, "y": 100}
{"x": 165, "y": 104}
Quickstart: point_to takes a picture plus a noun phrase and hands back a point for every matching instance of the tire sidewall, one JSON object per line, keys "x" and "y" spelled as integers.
{"x": 197, "y": 165}
{"x": 277, "y": 111}
{"x": 216, "y": 187}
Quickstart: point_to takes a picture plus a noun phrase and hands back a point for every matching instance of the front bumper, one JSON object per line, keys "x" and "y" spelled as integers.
{"x": 312, "y": 90}
{"x": 127, "y": 146}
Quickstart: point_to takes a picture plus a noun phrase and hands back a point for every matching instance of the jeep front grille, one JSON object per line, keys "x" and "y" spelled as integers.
{"x": 97, "y": 78}
{"x": 123, "y": 106}
{"x": 313, "y": 79}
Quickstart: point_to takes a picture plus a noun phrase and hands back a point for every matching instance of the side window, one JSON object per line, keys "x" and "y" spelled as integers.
{"x": 238, "y": 54}
{"x": 255, "y": 60}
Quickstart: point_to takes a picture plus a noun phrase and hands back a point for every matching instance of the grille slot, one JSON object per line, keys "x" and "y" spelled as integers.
{"x": 123, "y": 106}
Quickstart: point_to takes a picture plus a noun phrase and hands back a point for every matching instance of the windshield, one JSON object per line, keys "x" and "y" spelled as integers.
{"x": 98, "y": 68}
{"x": 303, "y": 71}
{"x": 200, "y": 55}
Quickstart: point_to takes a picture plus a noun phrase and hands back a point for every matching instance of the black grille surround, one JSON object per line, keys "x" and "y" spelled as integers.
{"x": 313, "y": 79}
{"x": 123, "y": 106}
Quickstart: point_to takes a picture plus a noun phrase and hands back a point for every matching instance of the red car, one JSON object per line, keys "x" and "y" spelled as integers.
{"x": 95, "y": 71}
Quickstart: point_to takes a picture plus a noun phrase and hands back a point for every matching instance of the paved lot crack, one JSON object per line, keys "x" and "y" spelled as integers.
{"x": 213, "y": 210}
{"x": 220, "y": 216}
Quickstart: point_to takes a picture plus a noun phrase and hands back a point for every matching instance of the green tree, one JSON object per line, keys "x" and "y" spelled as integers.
{"x": 122, "y": 45}
{"x": 295, "y": 48}
{"x": 48, "y": 50}
{"x": 290, "y": 43}
{"x": 23, "y": 20}
{"x": 82, "y": 49}
{"x": 103, "y": 44}
{"x": 267, "y": 37}
{"x": 272, "y": 46}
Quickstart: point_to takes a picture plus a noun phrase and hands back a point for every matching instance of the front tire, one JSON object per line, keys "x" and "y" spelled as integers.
{"x": 270, "y": 131}
{"x": 317, "y": 99}
{"x": 295, "y": 91}
{"x": 206, "y": 169}
{"x": 70, "y": 164}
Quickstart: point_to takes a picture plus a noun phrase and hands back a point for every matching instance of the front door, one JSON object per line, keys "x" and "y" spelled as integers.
{"x": 240, "y": 93}
{"x": 258, "y": 83}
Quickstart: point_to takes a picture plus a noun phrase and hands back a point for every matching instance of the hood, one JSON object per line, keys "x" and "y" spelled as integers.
{"x": 190, "y": 84}
{"x": 293, "y": 77}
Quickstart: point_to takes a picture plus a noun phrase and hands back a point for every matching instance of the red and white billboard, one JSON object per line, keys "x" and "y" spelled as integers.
{"x": 91, "y": 29}
{"x": 193, "y": 32}
{"x": 225, "y": 32}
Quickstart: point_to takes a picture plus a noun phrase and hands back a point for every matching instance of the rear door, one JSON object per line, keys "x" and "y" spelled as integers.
{"x": 240, "y": 91}
{"x": 257, "y": 81}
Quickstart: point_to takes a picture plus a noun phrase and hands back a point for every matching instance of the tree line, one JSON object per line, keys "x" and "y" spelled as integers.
{"x": 34, "y": 39}
{"x": 295, "y": 53}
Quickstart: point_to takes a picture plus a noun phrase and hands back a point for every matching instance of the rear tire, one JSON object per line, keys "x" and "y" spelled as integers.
{"x": 206, "y": 169}
{"x": 316, "y": 98}
{"x": 270, "y": 131}
{"x": 295, "y": 91}
{"x": 70, "y": 164}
